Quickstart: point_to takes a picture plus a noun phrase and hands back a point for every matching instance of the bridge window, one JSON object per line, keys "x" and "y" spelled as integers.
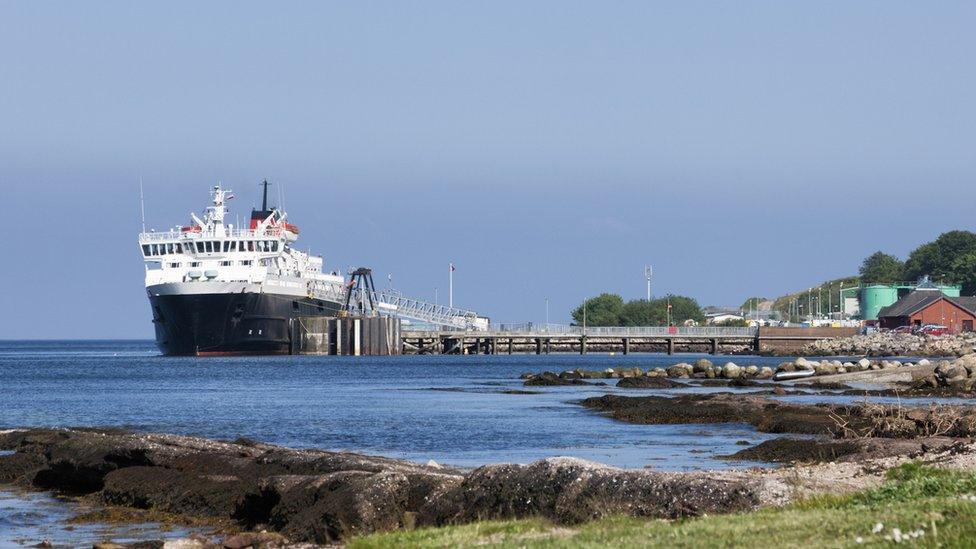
{"x": 169, "y": 248}
{"x": 208, "y": 246}
{"x": 146, "y": 250}
{"x": 199, "y": 247}
{"x": 250, "y": 245}
{"x": 274, "y": 246}
{"x": 233, "y": 245}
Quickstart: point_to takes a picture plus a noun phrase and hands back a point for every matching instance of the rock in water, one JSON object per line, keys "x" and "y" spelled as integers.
{"x": 550, "y": 379}
{"x": 645, "y": 382}
{"x": 731, "y": 370}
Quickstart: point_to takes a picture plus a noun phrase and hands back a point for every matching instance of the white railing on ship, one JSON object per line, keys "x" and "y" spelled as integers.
{"x": 229, "y": 234}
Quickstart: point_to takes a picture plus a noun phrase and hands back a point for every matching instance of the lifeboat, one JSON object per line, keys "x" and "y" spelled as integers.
{"x": 190, "y": 229}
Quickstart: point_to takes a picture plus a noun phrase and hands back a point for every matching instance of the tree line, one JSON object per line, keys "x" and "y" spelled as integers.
{"x": 611, "y": 310}
{"x": 950, "y": 259}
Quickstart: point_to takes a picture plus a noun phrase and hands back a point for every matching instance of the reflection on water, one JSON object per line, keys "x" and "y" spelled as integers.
{"x": 27, "y": 519}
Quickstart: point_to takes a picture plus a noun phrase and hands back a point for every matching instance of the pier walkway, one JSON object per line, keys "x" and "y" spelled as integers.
{"x": 575, "y": 339}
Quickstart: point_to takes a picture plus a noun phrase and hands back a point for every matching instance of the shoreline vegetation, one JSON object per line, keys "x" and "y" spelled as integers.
{"x": 926, "y": 505}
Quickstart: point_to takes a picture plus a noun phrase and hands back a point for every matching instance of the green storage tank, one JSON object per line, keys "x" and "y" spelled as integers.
{"x": 951, "y": 291}
{"x": 874, "y": 298}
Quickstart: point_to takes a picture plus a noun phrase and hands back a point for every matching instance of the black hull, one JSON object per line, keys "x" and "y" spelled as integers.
{"x": 230, "y": 324}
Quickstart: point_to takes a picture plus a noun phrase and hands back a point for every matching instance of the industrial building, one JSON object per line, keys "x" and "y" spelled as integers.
{"x": 866, "y": 301}
{"x": 928, "y": 305}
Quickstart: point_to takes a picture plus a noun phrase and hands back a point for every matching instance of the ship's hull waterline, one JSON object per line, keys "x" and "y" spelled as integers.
{"x": 208, "y": 324}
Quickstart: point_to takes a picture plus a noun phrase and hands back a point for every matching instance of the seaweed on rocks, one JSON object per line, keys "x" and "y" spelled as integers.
{"x": 326, "y": 497}
{"x": 644, "y": 382}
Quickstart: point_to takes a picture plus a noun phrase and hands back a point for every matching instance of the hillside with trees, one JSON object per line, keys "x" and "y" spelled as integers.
{"x": 792, "y": 306}
{"x": 611, "y": 310}
{"x": 949, "y": 259}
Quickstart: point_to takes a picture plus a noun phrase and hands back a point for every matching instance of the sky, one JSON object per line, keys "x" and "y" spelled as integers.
{"x": 548, "y": 149}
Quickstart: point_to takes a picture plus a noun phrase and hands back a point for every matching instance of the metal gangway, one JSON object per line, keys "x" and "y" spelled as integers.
{"x": 362, "y": 297}
{"x": 393, "y": 304}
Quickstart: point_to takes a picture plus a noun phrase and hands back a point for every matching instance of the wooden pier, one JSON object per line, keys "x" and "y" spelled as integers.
{"x": 618, "y": 340}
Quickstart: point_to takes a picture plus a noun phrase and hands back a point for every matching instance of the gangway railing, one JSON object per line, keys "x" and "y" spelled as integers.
{"x": 394, "y": 304}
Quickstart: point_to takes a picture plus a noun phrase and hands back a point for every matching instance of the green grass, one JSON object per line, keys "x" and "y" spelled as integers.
{"x": 912, "y": 497}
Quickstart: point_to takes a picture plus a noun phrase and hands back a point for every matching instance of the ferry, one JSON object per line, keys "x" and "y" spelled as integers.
{"x": 216, "y": 289}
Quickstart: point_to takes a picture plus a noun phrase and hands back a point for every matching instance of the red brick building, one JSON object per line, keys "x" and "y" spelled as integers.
{"x": 930, "y": 306}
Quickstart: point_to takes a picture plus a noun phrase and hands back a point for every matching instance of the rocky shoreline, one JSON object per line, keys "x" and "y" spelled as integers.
{"x": 882, "y": 344}
{"x": 957, "y": 376}
{"x": 326, "y": 497}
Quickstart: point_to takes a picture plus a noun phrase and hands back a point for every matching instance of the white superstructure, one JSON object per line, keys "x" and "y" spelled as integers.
{"x": 210, "y": 256}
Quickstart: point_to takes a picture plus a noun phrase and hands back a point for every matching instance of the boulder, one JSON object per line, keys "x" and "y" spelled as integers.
{"x": 731, "y": 371}
{"x": 571, "y": 491}
{"x": 766, "y": 372}
{"x": 255, "y": 540}
{"x": 550, "y": 379}
{"x": 702, "y": 365}
{"x": 645, "y": 382}
{"x": 751, "y": 370}
{"x": 968, "y": 362}
{"x": 864, "y": 364}
{"x": 679, "y": 370}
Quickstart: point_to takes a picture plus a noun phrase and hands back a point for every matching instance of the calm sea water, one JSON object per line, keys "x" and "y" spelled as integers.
{"x": 451, "y": 409}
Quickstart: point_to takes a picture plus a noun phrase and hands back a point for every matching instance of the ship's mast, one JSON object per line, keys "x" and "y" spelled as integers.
{"x": 214, "y": 217}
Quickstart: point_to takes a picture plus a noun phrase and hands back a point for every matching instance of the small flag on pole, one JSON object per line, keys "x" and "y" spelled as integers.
{"x": 452, "y": 268}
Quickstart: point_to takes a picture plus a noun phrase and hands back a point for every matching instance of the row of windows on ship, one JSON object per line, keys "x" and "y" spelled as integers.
{"x": 210, "y": 246}
{"x": 244, "y": 263}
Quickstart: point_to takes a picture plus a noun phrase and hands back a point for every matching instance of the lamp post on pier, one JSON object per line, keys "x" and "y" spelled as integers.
{"x": 648, "y": 273}
{"x": 547, "y": 314}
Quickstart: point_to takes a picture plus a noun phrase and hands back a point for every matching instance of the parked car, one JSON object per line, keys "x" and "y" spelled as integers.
{"x": 902, "y": 330}
{"x": 934, "y": 330}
